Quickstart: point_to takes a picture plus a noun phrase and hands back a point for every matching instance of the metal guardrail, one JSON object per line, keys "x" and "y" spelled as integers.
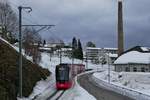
{"x": 122, "y": 90}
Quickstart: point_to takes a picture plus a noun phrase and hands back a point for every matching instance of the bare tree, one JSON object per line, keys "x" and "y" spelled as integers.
{"x": 31, "y": 44}
{"x": 27, "y": 41}
{"x": 8, "y": 21}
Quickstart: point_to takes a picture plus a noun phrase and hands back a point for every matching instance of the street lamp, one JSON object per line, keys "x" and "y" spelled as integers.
{"x": 20, "y": 47}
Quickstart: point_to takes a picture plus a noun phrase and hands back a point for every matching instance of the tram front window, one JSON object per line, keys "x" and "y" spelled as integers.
{"x": 62, "y": 74}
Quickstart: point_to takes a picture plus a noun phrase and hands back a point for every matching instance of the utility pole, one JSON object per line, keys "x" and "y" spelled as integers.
{"x": 20, "y": 48}
{"x": 20, "y": 8}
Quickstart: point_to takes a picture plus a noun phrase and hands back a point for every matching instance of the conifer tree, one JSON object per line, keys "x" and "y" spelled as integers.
{"x": 74, "y": 47}
{"x": 80, "y": 52}
{"x": 74, "y": 43}
{"x": 44, "y": 42}
{"x": 77, "y": 49}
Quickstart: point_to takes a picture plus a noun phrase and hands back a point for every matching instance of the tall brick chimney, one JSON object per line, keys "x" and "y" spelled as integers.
{"x": 120, "y": 29}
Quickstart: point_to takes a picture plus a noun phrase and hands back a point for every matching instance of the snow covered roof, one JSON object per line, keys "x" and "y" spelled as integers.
{"x": 133, "y": 57}
{"x": 145, "y": 49}
{"x": 139, "y": 49}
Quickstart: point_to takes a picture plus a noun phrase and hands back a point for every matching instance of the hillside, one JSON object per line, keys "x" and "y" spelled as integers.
{"x": 8, "y": 73}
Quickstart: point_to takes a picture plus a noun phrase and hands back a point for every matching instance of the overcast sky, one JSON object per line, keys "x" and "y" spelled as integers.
{"x": 91, "y": 20}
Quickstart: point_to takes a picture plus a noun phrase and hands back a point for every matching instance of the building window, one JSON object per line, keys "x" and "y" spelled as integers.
{"x": 127, "y": 69}
{"x": 135, "y": 69}
{"x": 120, "y": 69}
{"x": 142, "y": 69}
{"x": 146, "y": 69}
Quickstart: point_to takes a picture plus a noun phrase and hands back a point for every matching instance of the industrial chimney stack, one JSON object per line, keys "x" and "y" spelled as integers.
{"x": 120, "y": 28}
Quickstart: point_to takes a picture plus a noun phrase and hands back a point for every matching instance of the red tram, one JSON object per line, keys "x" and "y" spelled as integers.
{"x": 65, "y": 74}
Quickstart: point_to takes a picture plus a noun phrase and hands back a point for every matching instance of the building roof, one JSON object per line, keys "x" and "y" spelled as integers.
{"x": 139, "y": 49}
{"x": 134, "y": 57}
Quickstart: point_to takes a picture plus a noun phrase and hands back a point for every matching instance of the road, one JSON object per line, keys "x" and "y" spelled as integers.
{"x": 98, "y": 92}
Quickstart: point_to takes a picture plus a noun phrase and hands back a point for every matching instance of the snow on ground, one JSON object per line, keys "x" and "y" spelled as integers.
{"x": 77, "y": 93}
{"x": 44, "y": 88}
{"x": 134, "y": 82}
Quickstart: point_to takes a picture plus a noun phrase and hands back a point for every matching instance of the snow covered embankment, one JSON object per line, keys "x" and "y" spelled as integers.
{"x": 123, "y": 86}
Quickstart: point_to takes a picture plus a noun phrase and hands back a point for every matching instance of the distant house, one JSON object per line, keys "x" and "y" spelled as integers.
{"x": 136, "y": 59}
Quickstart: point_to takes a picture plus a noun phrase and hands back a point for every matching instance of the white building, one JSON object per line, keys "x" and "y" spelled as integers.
{"x": 101, "y": 53}
{"x": 134, "y": 61}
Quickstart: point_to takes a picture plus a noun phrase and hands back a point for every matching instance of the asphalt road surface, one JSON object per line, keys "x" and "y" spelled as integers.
{"x": 98, "y": 92}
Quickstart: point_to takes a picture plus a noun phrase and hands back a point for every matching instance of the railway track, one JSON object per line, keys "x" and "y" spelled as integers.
{"x": 56, "y": 95}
